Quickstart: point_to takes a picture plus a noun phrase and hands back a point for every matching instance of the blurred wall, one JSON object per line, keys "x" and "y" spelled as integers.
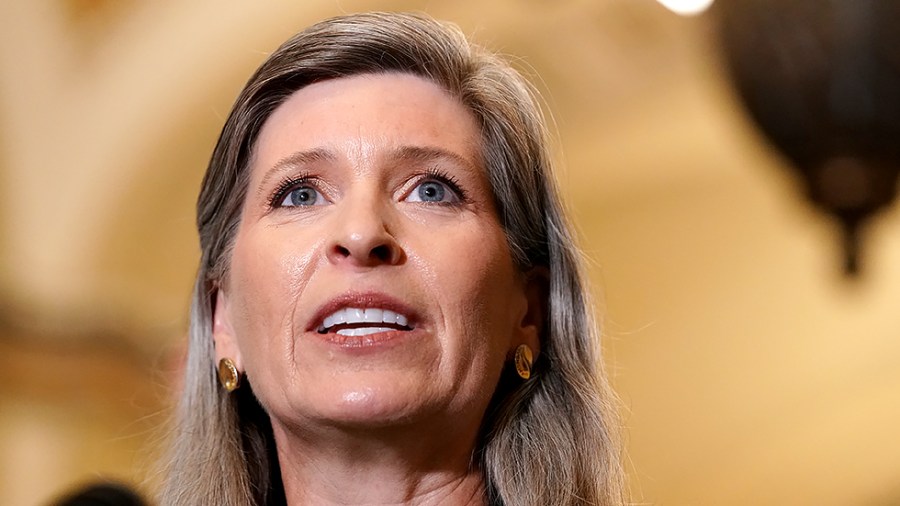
{"x": 750, "y": 371}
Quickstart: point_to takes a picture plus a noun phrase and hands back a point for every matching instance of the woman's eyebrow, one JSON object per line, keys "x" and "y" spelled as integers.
{"x": 432, "y": 154}
{"x": 295, "y": 160}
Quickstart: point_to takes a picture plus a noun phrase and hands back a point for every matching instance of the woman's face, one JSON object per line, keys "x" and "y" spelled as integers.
{"x": 370, "y": 282}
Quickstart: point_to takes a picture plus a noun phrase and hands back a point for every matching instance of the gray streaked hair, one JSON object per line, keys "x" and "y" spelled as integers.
{"x": 552, "y": 440}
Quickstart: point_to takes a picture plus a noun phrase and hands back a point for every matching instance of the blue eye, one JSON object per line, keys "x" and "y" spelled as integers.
{"x": 433, "y": 191}
{"x": 302, "y": 196}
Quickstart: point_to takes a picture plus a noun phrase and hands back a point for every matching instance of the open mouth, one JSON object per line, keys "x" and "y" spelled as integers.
{"x": 353, "y": 321}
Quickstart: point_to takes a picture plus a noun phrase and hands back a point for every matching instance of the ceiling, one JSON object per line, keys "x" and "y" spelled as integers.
{"x": 750, "y": 370}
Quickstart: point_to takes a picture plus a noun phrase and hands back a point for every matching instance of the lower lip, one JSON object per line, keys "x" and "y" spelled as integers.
{"x": 368, "y": 341}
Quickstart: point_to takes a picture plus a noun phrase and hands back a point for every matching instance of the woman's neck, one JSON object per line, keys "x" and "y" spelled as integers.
{"x": 390, "y": 466}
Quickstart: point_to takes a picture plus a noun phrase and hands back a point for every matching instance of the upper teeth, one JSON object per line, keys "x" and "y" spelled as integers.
{"x": 351, "y": 315}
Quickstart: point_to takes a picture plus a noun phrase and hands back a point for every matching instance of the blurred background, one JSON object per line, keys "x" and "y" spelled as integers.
{"x": 752, "y": 370}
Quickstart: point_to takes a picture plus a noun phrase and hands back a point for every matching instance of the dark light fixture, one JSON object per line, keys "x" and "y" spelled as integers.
{"x": 821, "y": 78}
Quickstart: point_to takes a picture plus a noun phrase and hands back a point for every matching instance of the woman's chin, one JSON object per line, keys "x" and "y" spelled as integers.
{"x": 359, "y": 409}
{"x": 368, "y": 405}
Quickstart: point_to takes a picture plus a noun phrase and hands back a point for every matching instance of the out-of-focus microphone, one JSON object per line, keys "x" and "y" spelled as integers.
{"x": 102, "y": 494}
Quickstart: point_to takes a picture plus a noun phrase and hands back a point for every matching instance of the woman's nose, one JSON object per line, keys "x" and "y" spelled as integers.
{"x": 361, "y": 238}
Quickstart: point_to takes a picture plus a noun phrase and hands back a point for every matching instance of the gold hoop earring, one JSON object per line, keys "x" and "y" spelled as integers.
{"x": 229, "y": 376}
{"x": 523, "y": 360}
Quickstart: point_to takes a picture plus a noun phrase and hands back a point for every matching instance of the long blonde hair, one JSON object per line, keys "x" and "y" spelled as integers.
{"x": 552, "y": 440}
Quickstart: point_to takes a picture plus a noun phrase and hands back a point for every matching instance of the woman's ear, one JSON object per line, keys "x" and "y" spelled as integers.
{"x": 531, "y": 326}
{"x": 223, "y": 332}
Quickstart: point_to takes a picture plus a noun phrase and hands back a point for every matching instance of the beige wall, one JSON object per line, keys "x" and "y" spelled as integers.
{"x": 750, "y": 370}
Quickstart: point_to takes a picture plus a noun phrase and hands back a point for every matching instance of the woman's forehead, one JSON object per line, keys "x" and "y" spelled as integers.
{"x": 370, "y": 115}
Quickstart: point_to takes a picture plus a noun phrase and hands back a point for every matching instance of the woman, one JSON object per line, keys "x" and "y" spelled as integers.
{"x": 389, "y": 289}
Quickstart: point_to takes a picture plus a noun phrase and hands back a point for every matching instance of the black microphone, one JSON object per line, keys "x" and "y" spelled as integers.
{"x": 102, "y": 494}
